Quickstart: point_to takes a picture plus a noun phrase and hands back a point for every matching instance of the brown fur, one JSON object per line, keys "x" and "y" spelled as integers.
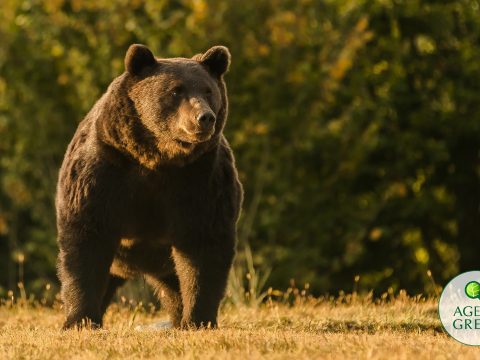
{"x": 149, "y": 187}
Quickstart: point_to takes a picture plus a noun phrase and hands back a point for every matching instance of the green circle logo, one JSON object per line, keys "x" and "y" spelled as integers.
{"x": 472, "y": 290}
{"x": 459, "y": 308}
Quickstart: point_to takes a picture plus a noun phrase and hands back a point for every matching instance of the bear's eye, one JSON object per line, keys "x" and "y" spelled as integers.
{"x": 176, "y": 91}
{"x": 208, "y": 91}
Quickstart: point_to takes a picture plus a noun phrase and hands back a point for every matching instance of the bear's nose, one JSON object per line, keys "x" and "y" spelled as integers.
{"x": 206, "y": 120}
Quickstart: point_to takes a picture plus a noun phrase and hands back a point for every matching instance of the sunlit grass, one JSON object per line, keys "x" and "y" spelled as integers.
{"x": 293, "y": 327}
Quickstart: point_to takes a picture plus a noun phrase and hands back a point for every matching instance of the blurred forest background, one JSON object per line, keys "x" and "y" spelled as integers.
{"x": 355, "y": 123}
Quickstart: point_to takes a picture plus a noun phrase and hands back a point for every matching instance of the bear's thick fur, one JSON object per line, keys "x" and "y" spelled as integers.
{"x": 149, "y": 187}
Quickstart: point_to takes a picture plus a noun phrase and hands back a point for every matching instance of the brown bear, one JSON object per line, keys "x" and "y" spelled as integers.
{"x": 149, "y": 187}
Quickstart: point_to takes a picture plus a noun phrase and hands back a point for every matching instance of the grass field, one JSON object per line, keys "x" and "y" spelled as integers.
{"x": 347, "y": 327}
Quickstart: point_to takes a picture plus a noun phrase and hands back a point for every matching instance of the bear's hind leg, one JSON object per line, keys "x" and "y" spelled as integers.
{"x": 114, "y": 282}
{"x": 167, "y": 289}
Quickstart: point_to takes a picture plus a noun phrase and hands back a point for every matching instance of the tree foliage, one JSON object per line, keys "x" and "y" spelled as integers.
{"x": 355, "y": 124}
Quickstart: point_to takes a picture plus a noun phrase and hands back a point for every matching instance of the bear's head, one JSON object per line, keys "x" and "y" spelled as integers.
{"x": 168, "y": 111}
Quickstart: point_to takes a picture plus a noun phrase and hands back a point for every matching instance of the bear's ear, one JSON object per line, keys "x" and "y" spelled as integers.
{"x": 216, "y": 60}
{"x": 197, "y": 57}
{"x": 138, "y": 57}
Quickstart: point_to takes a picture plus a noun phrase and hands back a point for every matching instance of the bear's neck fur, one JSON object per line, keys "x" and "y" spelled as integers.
{"x": 119, "y": 127}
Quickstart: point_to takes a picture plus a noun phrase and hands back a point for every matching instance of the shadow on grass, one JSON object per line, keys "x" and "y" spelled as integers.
{"x": 342, "y": 326}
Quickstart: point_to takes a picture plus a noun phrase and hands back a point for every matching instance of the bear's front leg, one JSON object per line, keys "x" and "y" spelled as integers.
{"x": 203, "y": 277}
{"x": 83, "y": 264}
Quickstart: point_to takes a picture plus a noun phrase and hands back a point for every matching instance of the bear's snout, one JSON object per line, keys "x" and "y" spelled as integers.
{"x": 206, "y": 121}
{"x": 198, "y": 127}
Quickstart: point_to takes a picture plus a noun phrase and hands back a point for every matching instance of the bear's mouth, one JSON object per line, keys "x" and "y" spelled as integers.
{"x": 200, "y": 138}
{"x": 189, "y": 144}
{"x": 185, "y": 144}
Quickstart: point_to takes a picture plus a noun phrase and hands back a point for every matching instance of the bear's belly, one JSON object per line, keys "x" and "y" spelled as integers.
{"x": 135, "y": 257}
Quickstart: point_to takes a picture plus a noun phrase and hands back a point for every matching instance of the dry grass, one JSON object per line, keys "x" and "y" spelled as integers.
{"x": 402, "y": 328}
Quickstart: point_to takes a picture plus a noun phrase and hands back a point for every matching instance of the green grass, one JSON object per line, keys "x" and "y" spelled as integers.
{"x": 346, "y": 327}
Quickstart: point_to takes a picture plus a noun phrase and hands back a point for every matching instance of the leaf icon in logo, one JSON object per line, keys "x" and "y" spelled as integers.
{"x": 472, "y": 290}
